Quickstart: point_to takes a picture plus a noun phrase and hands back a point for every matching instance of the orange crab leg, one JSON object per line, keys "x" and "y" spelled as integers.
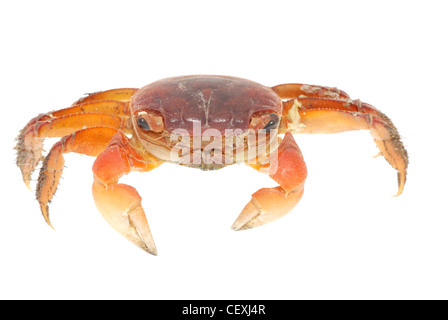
{"x": 113, "y": 107}
{"x": 62, "y": 126}
{"x": 110, "y": 103}
{"x": 295, "y": 90}
{"x": 92, "y": 104}
{"x": 288, "y": 169}
{"x": 90, "y": 142}
{"x": 30, "y": 141}
{"x": 320, "y": 115}
{"x": 120, "y": 204}
{"x": 122, "y": 94}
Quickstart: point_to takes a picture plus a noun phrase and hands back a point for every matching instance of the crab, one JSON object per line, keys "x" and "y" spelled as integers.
{"x": 201, "y": 121}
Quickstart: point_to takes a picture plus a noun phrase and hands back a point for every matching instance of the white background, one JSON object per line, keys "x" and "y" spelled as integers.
{"x": 348, "y": 238}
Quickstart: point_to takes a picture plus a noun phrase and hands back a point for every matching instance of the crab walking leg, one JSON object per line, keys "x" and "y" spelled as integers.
{"x": 120, "y": 204}
{"x": 288, "y": 169}
{"x": 319, "y": 115}
{"x": 122, "y": 94}
{"x": 295, "y": 90}
{"x": 88, "y": 141}
{"x": 113, "y": 107}
{"x": 30, "y": 141}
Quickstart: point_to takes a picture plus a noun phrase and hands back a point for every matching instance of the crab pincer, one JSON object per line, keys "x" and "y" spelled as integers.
{"x": 120, "y": 204}
{"x": 287, "y": 167}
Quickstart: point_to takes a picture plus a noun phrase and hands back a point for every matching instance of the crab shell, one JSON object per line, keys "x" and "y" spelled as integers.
{"x": 199, "y": 106}
{"x": 217, "y": 102}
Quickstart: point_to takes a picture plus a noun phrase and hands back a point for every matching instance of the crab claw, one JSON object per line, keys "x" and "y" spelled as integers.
{"x": 120, "y": 205}
{"x": 266, "y": 205}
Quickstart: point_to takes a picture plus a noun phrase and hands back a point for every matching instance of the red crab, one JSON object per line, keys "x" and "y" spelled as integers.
{"x": 199, "y": 121}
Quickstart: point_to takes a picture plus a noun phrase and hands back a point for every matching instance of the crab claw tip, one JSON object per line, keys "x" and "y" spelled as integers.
{"x": 246, "y": 219}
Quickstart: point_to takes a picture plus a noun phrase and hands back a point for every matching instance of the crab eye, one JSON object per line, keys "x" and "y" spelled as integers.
{"x": 141, "y": 122}
{"x": 272, "y": 124}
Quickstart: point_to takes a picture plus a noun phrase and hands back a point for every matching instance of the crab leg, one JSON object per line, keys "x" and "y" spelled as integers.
{"x": 288, "y": 169}
{"x": 105, "y": 104}
{"x": 122, "y": 94}
{"x": 296, "y": 90}
{"x": 30, "y": 141}
{"x": 120, "y": 204}
{"x": 320, "y": 115}
{"x": 117, "y": 108}
{"x": 113, "y": 102}
{"x": 88, "y": 141}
